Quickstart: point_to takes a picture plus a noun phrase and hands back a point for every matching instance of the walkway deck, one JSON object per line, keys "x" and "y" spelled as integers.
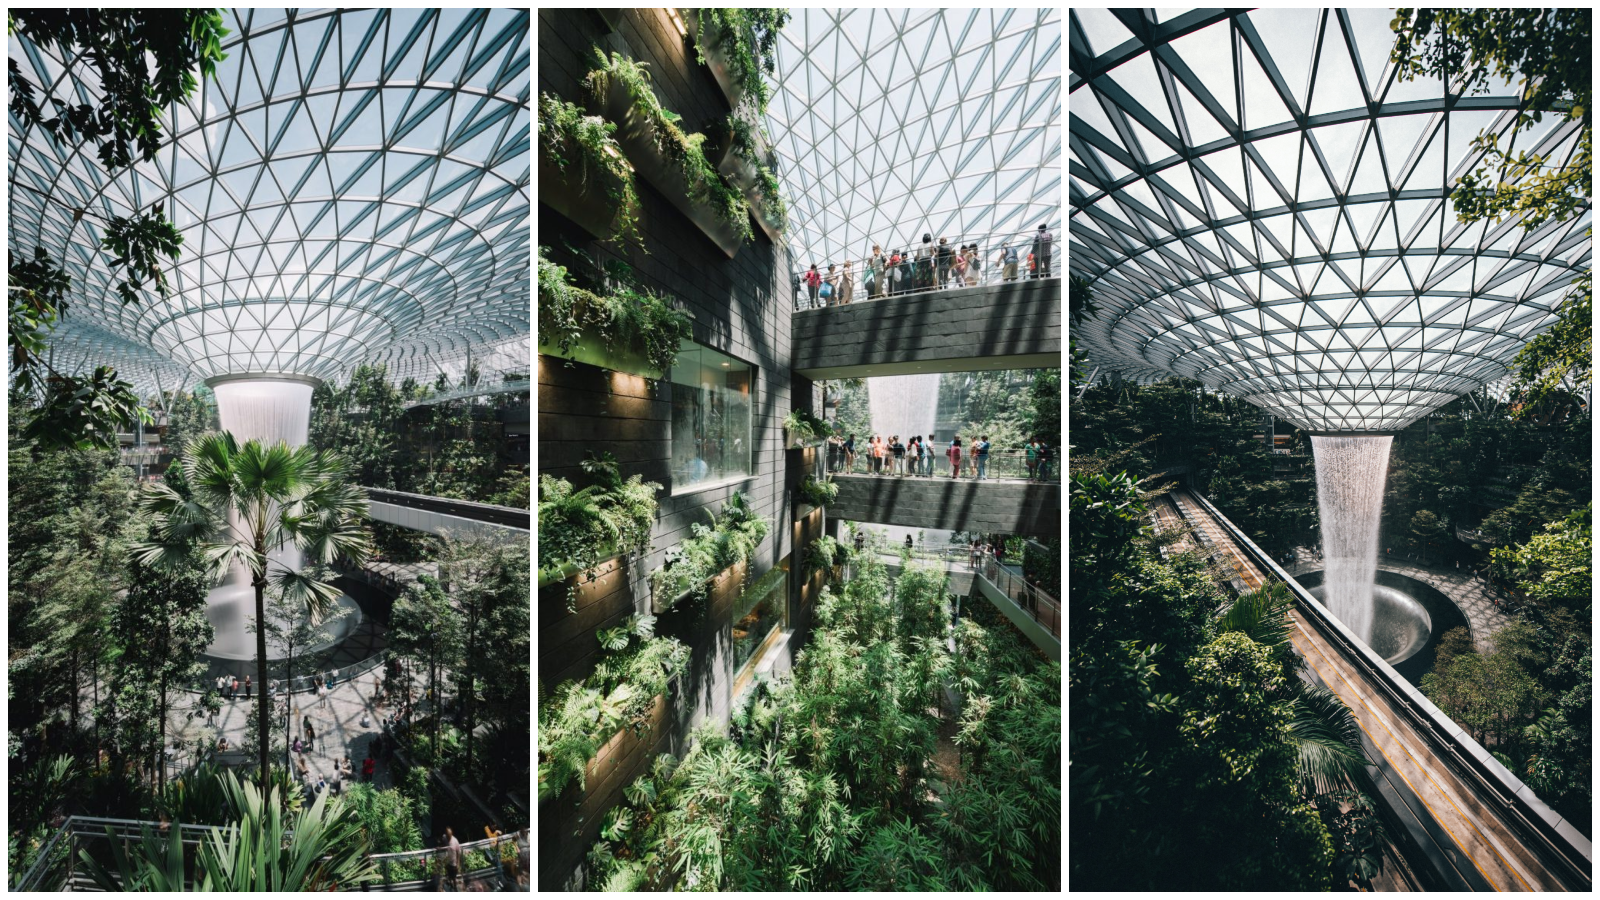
{"x": 1467, "y": 839}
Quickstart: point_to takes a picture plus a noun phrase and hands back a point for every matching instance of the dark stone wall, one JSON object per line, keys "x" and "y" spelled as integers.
{"x": 740, "y": 307}
{"x": 1010, "y": 325}
{"x": 1016, "y": 507}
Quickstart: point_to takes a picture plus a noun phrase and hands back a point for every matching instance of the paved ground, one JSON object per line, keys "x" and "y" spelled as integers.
{"x": 336, "y": 722}
{"x": 1472, "y": 594}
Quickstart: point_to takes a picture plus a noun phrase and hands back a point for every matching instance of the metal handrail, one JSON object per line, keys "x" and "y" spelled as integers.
{"x": 931, "y": 277}
{"x": 1045, "y": 609}
{"x": 192, "y": 835}
{"x": 481, "y": 512}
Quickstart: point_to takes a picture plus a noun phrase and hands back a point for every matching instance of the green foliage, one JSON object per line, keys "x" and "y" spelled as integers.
{"x": 316, "y": 848}
{"x": 1195, "y": 746}
{"x": 609, "y": 516}
{"x": 319, "y": 511}
{"x": 387, "y": 817}
{"x": 1080, "y": 306}
{"x": 1547, "y": 51}
{"x": 625, "y": 317}
{"x": 805, "y": 426}
{"x": 828, "y": 781}
{"x": 143, "y": 61}
{"x": 819, "y": 493}
{"x": 730, "y": 539}
{"x": 744, "y": 146}
{"x": 577, "y": 718}
{"x": 563, "y": 128}
{"x": 683, "y": 151}
{"x": 823, "y": 554}
{"x": 1556, "y": 567}
{"x": 748, "y": 38}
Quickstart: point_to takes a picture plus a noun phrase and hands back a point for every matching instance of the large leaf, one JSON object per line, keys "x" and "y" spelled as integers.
{"x": 1327, "y": 739}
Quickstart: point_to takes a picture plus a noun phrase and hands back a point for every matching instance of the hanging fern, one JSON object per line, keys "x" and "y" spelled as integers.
{"x": 564, "y": 127}
{"x": 730, "y": 539}
{"x": 627, "y": 318}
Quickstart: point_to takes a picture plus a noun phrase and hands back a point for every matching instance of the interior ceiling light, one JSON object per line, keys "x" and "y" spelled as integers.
{"x": 352, "y": 186}
{"x": 892, "y": 123}
{"x": 1289, "y": 238}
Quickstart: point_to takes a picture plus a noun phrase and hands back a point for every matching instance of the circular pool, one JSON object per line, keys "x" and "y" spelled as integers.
{"x": 1408, "y": 619}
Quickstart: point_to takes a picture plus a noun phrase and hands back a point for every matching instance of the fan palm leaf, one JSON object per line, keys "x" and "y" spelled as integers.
{"x": 1327, "y": 739}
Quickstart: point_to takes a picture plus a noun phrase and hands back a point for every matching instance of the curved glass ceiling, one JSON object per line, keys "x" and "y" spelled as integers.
{"x": 1262, "y": 206}
{"x": 892, "y": 123}
{"x": 352, "y": 186}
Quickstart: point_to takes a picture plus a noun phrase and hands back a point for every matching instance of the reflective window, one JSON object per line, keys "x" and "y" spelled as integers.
{"x": 711, "y": 401}
{"x": 759, "y": 611}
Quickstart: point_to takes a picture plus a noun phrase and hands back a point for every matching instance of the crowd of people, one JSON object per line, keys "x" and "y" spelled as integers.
{"x": 928, "y": 266}
{"x": 920, "y": 454}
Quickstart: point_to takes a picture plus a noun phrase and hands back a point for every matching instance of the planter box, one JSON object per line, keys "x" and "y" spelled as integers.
{"x": 716, "y": 60}
{"x": 637, "y": 137}
{"x": 672, "y": 595}
{"x": 591, "y": 349}
{"x": 567, "y": 570}
{"x": 587, "y": 201}
{"x": 742, "y": 175}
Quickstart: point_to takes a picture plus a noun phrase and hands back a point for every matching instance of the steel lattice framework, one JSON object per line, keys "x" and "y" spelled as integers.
{"x": 352, "y": 186}
{"x": 892, "y": 123}
{"x": 1260, "y": 204}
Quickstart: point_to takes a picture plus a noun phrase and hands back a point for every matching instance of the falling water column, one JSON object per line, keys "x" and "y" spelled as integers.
{"x": 903, "y": 404}
{"x": 1351, "y": 472}
{"x": 266, "y": 408}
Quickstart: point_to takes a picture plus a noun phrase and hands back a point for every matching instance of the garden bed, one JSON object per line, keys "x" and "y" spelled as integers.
{"x": 585, "y": 199}
{"x": 591, "y": 349}
{"x": 640, "y": 141}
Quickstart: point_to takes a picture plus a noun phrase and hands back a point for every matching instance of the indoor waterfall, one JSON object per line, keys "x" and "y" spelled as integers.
{"x": 903, "y": 404}
{"x": 1351, "y": 472}
{"x": 267, "y": 409}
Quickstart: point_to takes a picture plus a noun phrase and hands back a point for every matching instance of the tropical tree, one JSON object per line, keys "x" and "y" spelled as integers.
{"x": 247, "y": 501}
{"x": 143, "y": 61}
{"x": 160, "y": 630}
{"x": 1548, "y": 51}
{"x": 425, "y": 626}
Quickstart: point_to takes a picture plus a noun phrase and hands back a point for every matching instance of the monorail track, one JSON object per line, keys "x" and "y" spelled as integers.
{"x": 1468, "y": 828}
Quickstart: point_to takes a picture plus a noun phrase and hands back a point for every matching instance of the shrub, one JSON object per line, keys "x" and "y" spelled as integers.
{"x": 563, "y": 126}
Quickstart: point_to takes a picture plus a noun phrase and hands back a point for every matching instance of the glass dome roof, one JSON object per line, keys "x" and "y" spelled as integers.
{"x": 891, "y": 123}
{"x": 1260, "y": 205}
{"x": 352, "y": 186}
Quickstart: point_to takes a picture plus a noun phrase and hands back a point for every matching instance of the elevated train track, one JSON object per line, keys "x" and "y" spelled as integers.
{"x": 1468, "y": 823}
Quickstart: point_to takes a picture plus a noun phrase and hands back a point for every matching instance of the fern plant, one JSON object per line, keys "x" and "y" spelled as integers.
{"x": 684, "y": 151}
{"x": 748, "y": 38}
{"x": 819, "y": 493}
{"x": 731, "y": 538}
{"x": 563, "y": 129}
{"x": 578, "y": 526}
{"x": 629, "y": 318}
{"x": 577, "y": 718}
{"x": 805, "y": 426}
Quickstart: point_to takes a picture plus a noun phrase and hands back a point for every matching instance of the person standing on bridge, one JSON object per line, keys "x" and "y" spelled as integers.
{"x": 813, "y": 281}
{"x": 927, "y": 455}
{"x": 981, "y": 450}
{"x": 954, "y": 454}
{"x": 850, "y": 454}
{"x": 1008, "y": 261}
{"x": 1041, "y": 252}
{"x": 1031, "y": 453}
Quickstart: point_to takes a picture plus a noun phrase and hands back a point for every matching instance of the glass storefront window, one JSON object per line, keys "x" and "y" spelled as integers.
{"x": 759, "y": 610}
{"x": 711, "y": 404}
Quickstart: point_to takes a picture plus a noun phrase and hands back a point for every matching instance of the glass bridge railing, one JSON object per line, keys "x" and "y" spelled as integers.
{"x": 1007, "y": 465}
{"x": 492, "y": 864}
{"x": 904, "y": 269}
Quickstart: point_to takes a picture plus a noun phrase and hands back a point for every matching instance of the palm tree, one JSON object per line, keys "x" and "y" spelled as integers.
{"x": 1325, "y": 733}
{"x": 247, "y": 501}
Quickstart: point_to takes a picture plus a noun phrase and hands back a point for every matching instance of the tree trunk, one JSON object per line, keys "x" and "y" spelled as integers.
{"x": 72, "y": 727}
{"x": 263, "y": 707}
{"x": 161, "y": 732}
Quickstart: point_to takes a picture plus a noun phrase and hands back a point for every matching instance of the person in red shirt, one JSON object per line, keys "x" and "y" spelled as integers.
{"x": 955, "y": 457}
{"x": 813, "y": 282}
{"x": 367, "y": 768}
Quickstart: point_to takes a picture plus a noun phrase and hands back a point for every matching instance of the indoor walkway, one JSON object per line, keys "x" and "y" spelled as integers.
{"x": 1465, "y": 836}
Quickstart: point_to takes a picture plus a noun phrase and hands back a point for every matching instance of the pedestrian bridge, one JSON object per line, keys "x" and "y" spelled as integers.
{"x": 1002, "y": 325}
{"x": 442, "y": 516}
{"x": 990, "y": 506}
